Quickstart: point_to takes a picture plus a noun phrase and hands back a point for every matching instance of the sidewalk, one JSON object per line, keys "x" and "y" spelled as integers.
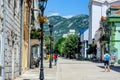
{"x": 33, "y": 74}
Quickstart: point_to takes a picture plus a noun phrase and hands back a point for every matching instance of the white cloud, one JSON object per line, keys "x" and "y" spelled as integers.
{"x": 69, "y": 16}
{"x": 54, "y": 14}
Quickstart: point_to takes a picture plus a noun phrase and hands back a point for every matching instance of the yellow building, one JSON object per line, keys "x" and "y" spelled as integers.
{"x": 25, "y": 62}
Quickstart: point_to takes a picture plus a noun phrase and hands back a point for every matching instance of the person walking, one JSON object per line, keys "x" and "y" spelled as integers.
{"x": 107, "y": 61}
{"x": 48, "y": 56}
{"x": 55, "y": 58}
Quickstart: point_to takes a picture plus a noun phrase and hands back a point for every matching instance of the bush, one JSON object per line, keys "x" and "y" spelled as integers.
{"x": 119, "y": 61}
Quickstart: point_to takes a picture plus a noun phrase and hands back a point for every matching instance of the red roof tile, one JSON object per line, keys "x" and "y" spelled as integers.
{"x": 117, "y": 12}
{"x": 115, "y": 6}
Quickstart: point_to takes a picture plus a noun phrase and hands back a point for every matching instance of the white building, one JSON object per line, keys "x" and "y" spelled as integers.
{"x": 64, "y": 35}
{"x": 71, "y": 31}
{"x": 97, "y": 9}
{"x": 84, "y": 39}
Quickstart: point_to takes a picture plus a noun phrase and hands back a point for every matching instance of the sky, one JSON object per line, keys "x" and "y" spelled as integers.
{"x": 67, "y": 8}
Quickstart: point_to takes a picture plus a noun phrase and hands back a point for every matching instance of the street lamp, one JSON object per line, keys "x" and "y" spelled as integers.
{"x": 42, "y": 6}
{"x": 51, "y": 39}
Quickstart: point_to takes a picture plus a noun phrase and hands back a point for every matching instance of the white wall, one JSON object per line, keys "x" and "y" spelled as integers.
{"x": 65, "y": 35}
{"x": 82, "y": 37}
{"x": 97, "y": 10}
{"x": 96, "y": 16}
{"x": 105, "y": 6}
{"x": 86, "y": 34}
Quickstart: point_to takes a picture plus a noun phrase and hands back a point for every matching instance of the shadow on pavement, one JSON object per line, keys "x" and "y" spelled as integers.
{"x": 114, "y": 68}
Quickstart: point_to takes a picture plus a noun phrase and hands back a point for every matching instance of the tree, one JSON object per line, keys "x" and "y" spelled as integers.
{"x": 59, "y": 45}
{"x": 71, "y": 44}
{"x": 67, "y": 46}
{"x": 47, "y": 42}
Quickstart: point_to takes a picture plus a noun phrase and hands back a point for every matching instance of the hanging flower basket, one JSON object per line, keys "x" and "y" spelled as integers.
{"x": 42, "y": 19}
{"x": 51, "y": 37}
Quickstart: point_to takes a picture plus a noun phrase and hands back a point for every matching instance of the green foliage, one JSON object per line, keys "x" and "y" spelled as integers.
{"x": 67, "y": 45}
{"x": 47, "y": 42}
{"x": 59, "y": 45}
{"x": 35, "y": 33}
{"x": 71, "y": 44}
{"x": 119, "y": 61}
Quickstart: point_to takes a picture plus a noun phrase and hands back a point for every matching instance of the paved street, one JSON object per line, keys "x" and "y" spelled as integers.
{"x": 72, "y": 70}
{"x": 84, "y": 70}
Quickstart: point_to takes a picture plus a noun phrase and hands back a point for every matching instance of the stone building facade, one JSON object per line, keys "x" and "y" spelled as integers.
{"x": 0, "y": 32}
{"x": 10, "y": 37}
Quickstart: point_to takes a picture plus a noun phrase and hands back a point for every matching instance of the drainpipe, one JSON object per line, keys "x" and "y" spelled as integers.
{"x": 3, "y": 39}
{"x": 21, "y": 35}
{"x": 29, "y": 51}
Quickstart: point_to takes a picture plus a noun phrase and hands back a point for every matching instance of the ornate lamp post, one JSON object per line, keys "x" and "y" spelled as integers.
{"x": 42, "y": 6}
{"x": 51, "y": 39}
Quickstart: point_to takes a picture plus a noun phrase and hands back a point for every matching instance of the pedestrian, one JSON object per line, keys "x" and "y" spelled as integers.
{"x": 107, "y": 61}
{"x": 48, "y": 56}
{"x": 55, "y": 58}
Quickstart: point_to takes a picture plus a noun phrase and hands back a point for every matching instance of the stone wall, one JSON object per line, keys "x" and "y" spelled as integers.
{"x": 0, "y": 36}
{"x": 12, "y": 38}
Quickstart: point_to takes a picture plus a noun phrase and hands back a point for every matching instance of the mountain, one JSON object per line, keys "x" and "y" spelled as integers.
{"x": 62, "y": 25}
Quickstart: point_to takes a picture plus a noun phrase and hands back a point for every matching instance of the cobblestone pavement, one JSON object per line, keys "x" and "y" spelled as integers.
{"x": 67, "y": 69}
